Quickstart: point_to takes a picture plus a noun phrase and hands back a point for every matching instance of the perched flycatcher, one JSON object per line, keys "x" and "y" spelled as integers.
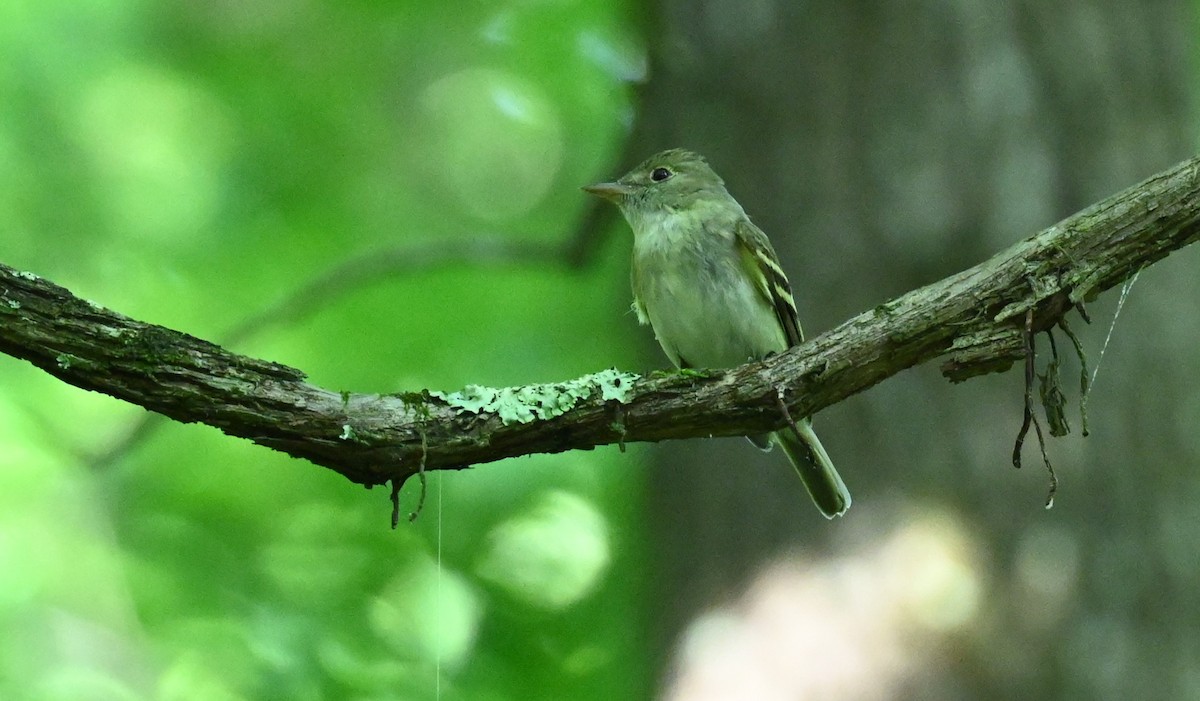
{"x": 709, "y": 283}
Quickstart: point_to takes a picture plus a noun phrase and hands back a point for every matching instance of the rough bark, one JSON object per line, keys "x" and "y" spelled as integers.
{"x": 372, "y": 438}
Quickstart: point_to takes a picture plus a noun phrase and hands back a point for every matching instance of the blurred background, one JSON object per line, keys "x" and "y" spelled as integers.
{"x": 198, "y": 164}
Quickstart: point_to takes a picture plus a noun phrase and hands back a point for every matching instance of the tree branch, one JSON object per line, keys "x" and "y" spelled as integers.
{"x": 976, "y": 317}
{"x": 489, "y": 250}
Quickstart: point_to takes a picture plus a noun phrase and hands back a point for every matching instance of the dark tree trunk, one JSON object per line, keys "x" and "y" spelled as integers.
{"x": 883, "y": 145}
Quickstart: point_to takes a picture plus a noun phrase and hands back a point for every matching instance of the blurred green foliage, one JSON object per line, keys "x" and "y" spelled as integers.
{"x": 192, "y": 163}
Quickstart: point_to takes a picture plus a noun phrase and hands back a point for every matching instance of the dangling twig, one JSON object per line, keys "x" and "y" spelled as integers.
{"x": 1029, "y": 417}
{"x": 1054, "y": 401}
{"x": 420, "y": 473}
{"x": 619, "y": 425}
{"x": 395, "y": 496}
{"x": 1084, "y": 384}
{"x": 420, "y": 499}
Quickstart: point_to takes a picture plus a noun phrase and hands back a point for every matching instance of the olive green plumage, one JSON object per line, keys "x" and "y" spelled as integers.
{"x": 709, "y": 283}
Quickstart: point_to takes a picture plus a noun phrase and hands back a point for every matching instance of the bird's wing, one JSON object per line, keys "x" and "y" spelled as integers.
{"x": 763, "y": 266}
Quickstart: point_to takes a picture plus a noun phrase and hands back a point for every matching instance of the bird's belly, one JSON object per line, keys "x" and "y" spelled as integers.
{"x": 713, "y": 326}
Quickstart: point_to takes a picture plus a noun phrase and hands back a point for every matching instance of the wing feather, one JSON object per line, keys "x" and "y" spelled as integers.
{"x": 763, "y": 265}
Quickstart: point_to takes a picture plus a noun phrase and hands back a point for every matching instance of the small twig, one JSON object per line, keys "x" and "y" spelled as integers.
{"x": 420, "y": 499}
{"x": 1037, "y": 426}
{"x": 1053, "y": 398}
{"x": 396, "y": 502}
{"x": 619, "y": 425}
{"x": 1084, "y": 385}
{"x": 1083, "y": 312}
{"x": 1027, "y": 417}
{"x": 420, "y": 473}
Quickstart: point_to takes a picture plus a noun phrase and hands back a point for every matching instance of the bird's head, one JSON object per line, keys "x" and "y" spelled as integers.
{"x": 669, "y": 180}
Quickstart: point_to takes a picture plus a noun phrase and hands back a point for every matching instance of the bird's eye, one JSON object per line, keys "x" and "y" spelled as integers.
{"x": 660, "y": 174}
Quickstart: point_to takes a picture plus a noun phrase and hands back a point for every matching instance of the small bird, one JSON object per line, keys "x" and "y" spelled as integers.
{"x": 709, "y": 283}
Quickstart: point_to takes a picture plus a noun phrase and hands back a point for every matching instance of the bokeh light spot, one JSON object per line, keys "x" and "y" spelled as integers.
{"x": 495, "y": 140}
{"x": 551, "y": 555}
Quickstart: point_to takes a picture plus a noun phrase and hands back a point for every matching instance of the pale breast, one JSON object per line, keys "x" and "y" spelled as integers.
{"x": 704, "y": 309}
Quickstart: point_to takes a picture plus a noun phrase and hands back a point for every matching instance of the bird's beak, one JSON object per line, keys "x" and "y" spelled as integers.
{"x": 609, "y": 191}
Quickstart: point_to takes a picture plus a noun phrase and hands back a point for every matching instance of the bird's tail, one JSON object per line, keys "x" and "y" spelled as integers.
{"x": 816, "y": 470}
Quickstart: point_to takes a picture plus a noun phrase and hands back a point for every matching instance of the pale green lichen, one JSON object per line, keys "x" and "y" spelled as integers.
{"x": 14, "y": 304}
{"x": 542, "y": 401}
{"x": 348, "y": 433}
{"x": 613, "y": 384}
